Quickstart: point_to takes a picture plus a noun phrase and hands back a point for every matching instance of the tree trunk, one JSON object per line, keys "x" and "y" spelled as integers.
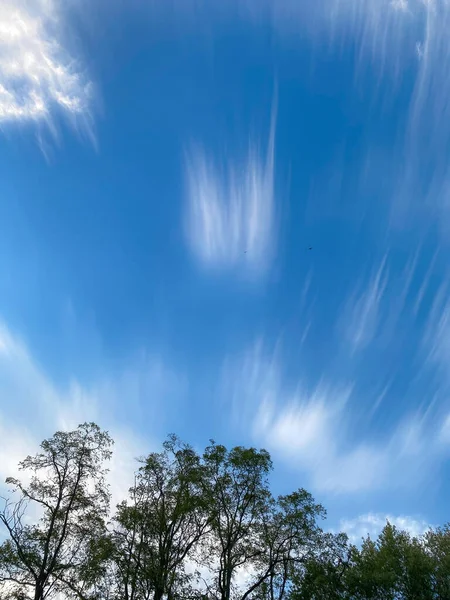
{"x": 39, "y": 591}
{"x": 159, "y": 593}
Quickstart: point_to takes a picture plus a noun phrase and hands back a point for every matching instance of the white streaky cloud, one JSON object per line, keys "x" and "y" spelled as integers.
{"x": 444, "y": 431}
{"x": 253, "y": 373}
{"x": 428, "y": 129}
{"x": 380, "y": 398}
{"x": 363, "y": 311}
{"x": 308, "y": 429}
{"x": 231, "y": 213}
{"x": 28, "y": 391}
{"x": 429, "y": 110}
{"x": 371, "y": 524}
{"x": 384, "y": 31}
{"x": 308, "y": 434}
{"x": 436, "y": 337}
{"x": 37, "y": 72}
{"x": 296, "y": 428}
{"x": 406, "y": 46}
{"x": 425, "y": 284}
{"x": 404, "y": 39}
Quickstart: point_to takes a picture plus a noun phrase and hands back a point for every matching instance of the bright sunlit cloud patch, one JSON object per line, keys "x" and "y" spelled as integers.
{"x": 37, "y": 72}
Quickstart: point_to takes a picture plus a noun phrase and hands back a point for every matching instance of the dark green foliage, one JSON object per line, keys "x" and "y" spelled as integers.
{"x": 322, "y": 576}
{"x": 393, "y": 567}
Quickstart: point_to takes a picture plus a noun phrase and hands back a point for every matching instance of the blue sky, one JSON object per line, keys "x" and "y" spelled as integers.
{"x": 165, "y": 169}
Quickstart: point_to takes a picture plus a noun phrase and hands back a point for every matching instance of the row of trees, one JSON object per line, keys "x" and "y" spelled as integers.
{"x": 200, "y": 527}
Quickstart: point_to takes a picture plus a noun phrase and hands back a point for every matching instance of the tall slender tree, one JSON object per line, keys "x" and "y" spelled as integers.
{"x": 160, "y": 526}
{"x": 67, "y": 486}
{"x": 289, "y": 536}
{"x": 237, "y": 492}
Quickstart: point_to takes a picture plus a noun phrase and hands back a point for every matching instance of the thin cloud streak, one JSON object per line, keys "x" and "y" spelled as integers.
{"x": 430, "y": 110}
{"x": 383, "y": 309}
{"x": 363, "y": 311}
{"x": 230, "y": 220}
{"x": 383, "y": 31}
{"x": 436, "y": 337}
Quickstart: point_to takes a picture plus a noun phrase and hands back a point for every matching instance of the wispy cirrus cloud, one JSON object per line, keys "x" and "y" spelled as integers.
{"x": 389, "y": 300}
{"x": 364, "y": 309}
{"x": 408, "y": 42}
{"x": 372, "y": 418}
{"x": 38, "y": 73}
{"x": 310, "y": 429}
{"x": 404, "y": 45}
{"x": 435, "y": 345}
{"x": 386, "y": 32}
{"x": 231, "y": 214}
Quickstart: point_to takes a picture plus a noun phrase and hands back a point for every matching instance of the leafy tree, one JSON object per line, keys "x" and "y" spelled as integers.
{"x": 160, "y": 527}
{"x": 322, "y": 575}
{"x": 237, "y": 493}
{"x": 437, "y": 548}
{"x": 67, "y": 486}
{"x": 393, "y": 567}
{"x": 290, "y": 535}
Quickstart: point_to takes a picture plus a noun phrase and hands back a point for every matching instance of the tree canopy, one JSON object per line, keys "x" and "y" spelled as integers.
{"x": 194, "y": 526}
